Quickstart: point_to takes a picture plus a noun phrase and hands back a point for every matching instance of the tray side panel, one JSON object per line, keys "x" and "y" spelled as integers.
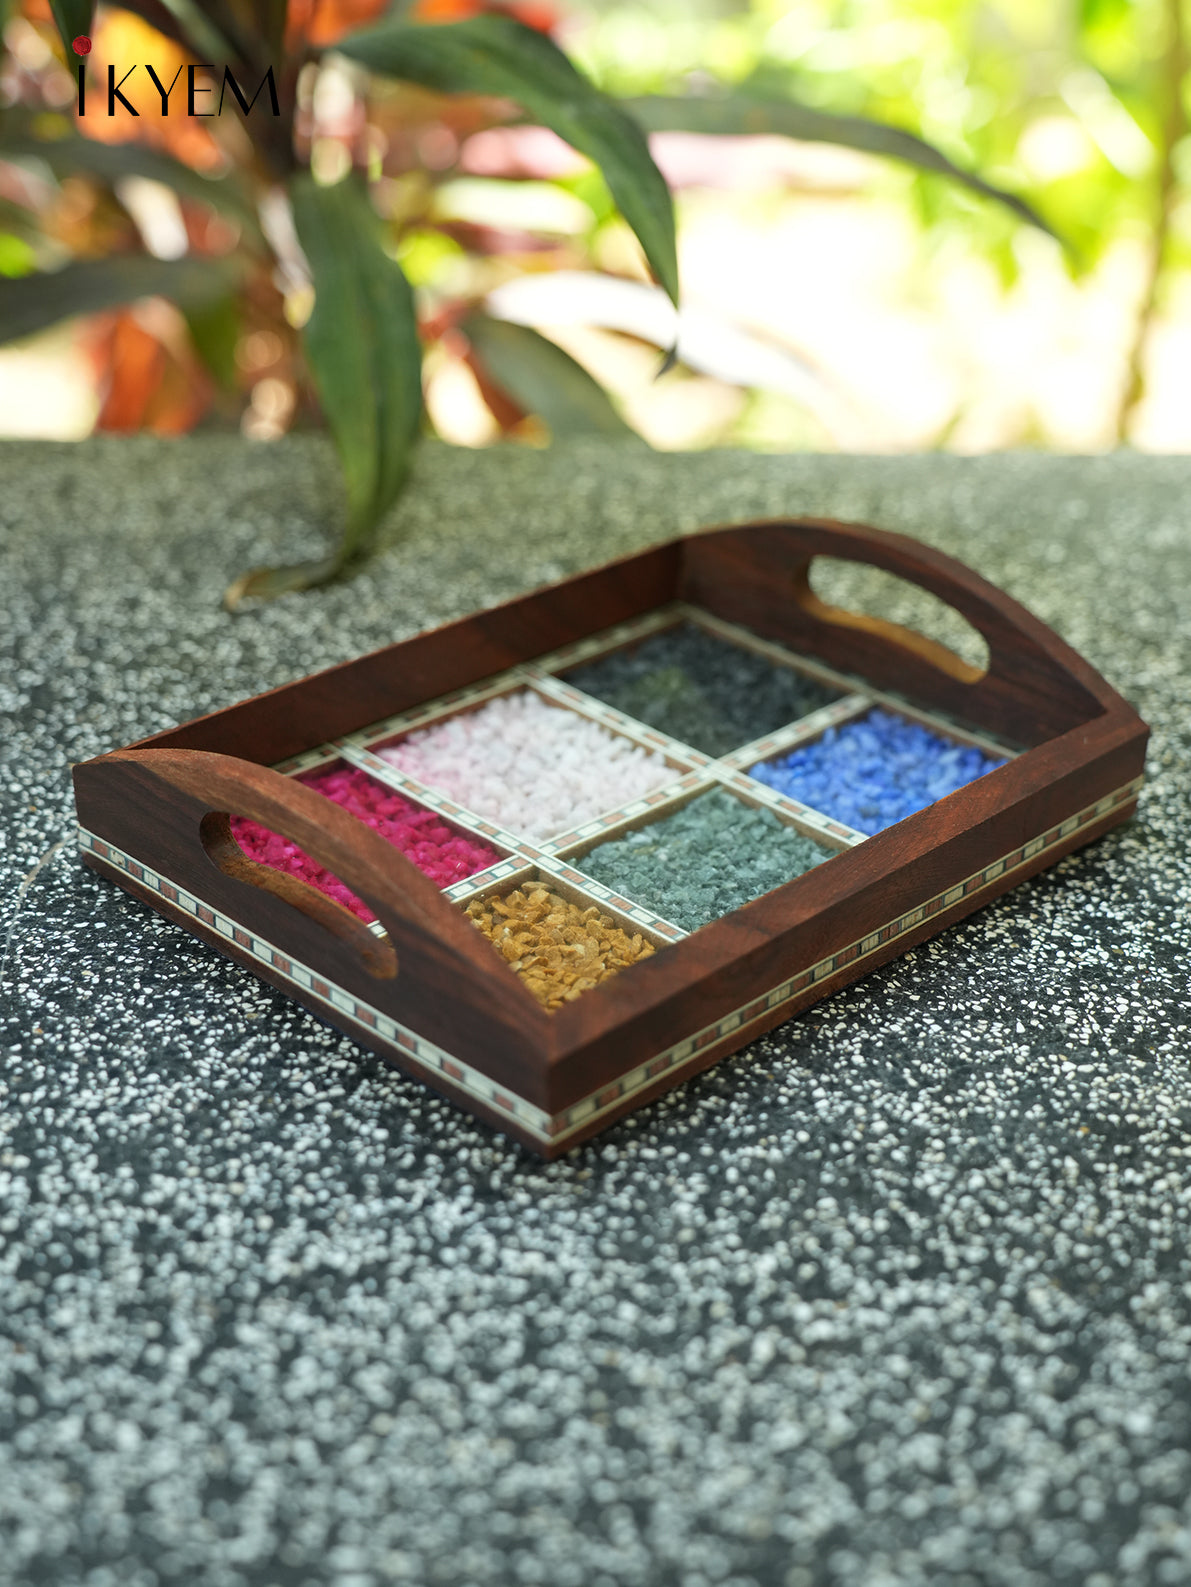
{"x": 479, "y": 1011}
{"x": 851, "y": 897}
{"x": 326, "y": 705}
{"x": 719, "y": 987}
{"x": 616, "y": 1103}
{"x": 1036, "y": 687}
{"x": 554, "y": 1133}
{"x": 497, "y": 1105}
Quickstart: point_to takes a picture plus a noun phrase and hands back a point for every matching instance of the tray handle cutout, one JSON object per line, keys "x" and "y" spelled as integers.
{"x": 173, "y": 808}
{"x": 1034, "y": 687}
{"x": 878, "y": 587}
{"x": 375, "y": 953}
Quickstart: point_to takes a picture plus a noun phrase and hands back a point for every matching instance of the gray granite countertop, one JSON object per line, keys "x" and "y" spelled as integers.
{"x": 900, "y": 1295}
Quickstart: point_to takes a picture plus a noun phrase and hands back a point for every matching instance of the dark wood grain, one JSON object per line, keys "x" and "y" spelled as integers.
{"x": 587, "y": 1063}
{"x": 271, "y": 727}
{"x": 167, "y": 801}
{"x": 746, "y": 954}
{"x": 449, "y": 984}
{"x": 377, "y": 954}
{"x": 758, "y": 575}
{"x": 407, "y": 1062}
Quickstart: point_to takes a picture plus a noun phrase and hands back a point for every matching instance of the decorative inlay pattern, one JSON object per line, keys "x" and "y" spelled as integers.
{"x": 540, "y": 1125}
{"x": 433, "y": 1058}
{"x": 692, "y": 769}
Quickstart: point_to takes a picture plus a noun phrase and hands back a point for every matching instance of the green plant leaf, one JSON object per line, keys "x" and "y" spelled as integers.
{"x": 543, "y": 379}
{"x": 365, "y": 361}
{"x": 215, "y": 329}
{"x": 195, "y": 24}
{"x": 31, "y": 303}
{"x": 188, "y": 21}
{"x": 739, "y": 114}
{"x": 72, "y": 17}
{"x": 362, "y": 344}
{"x": 266, "y": 584}
{"x": 71, "y": 155}
{"x": 270, "y": 17}
{"x": 238, "y": 23}
{"x": 18, "y": 257}
{"x": 500, "y": 57}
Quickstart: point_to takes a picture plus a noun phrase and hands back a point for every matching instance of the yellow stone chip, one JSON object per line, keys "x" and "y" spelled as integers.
{"x": 559, "y": 949}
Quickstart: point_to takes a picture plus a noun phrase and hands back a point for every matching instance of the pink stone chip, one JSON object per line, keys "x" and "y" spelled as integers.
{"x": 438, "y": 850}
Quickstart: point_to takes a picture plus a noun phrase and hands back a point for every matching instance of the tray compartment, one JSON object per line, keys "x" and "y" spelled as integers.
{"x": 704, "y": 859}
{"x": 434, "y": 998}
{"x": 558, "y": 939}
{"x": 875, "y": 770}
{"x": 445, "y": 853}
{"x": 531, "y": 764}
{"x": 702, "y": 689}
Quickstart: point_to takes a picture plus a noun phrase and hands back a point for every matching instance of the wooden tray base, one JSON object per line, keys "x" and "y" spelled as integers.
{"x": 553, "y": 1134}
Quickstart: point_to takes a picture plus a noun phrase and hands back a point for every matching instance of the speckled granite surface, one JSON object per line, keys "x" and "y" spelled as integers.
{"x": 899, "y": 1296}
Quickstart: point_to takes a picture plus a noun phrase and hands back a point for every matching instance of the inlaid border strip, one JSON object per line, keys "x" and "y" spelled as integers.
{"x": 780, "y": 655}
{"x": 813, "y": 822}
{"x": 616, "y": 1091}
{"x": 733, "y": 770}
{"x": 470, "y": 821}
{"x": 542, "y": 672}
{"x": 783, "y": 739}
{"x": 284, "y": 965}
{"x": 443, "y": 705}
{"x": 632, "y": 629}
{"x": 597, "y": 893}
{"x": 658, "y": 801}
{"x": 543, "y": 1127}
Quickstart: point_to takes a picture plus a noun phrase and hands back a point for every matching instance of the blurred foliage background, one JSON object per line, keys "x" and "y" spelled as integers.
{"x": 832, "y": 298}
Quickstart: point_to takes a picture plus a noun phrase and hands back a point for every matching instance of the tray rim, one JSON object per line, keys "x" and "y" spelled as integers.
{"x": 674, "y": 1063}
{"x": 1042, "y": 797}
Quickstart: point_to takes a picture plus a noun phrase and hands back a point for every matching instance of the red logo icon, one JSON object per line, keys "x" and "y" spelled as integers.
{"x": 82, "y": 45}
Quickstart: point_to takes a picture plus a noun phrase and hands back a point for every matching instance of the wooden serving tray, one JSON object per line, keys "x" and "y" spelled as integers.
{"x": 424, "y": 989}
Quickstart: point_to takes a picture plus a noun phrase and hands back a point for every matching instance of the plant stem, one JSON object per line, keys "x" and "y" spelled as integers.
{"x": 1175, "y": 65}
